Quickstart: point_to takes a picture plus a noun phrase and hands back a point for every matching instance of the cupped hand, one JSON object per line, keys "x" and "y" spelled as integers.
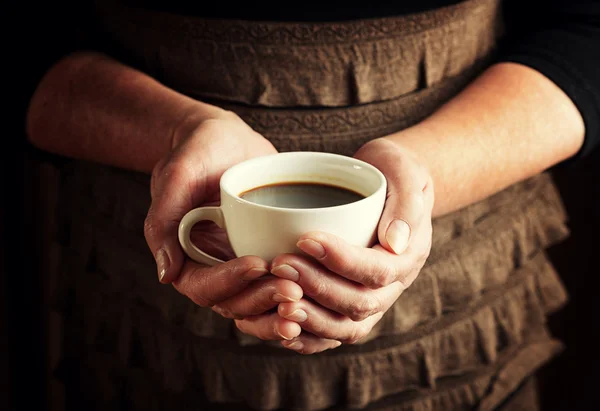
{"x": 347, "y": 288}
{"x": 188, "y": 178}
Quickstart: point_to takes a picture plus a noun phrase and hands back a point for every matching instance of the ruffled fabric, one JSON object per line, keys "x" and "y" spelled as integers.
{"x": 304, "y": 64}
{"x": 486, "y": 287}
{"x": 138, "y": 341}
{"x": 465, "y": 334}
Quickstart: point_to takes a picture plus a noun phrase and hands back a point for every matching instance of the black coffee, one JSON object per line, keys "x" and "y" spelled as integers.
{"x": 301, "y": 195}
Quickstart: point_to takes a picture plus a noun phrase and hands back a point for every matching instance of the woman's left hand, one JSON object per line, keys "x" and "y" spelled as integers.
{"x": 350, "y": 287}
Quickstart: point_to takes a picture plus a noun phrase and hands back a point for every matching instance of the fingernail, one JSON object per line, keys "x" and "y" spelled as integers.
{"x": 280, "y": 298}
{"x": 254, "y": 273}
{"x": 397, "y": 235}
{"x": 298, "y": 316}
{"x": 286, "y": 271}
{"x": 281, "y": 335}
{"x": 311, "y": 247}
{"x": 162, "y": 263}
{"x": 296, "y": 345}
{"x": 337, "y": 344}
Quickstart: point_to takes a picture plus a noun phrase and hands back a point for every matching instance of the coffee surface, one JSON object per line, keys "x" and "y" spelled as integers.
{"x": 301, "y": 195}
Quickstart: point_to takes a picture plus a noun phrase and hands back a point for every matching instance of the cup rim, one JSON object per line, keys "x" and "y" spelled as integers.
{"x": 312, "y": 154}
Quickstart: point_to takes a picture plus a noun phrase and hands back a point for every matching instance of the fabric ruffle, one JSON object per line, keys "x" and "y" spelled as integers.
{"x": 464, "y": 334}
{"x": 461, "y": 344}
{"x": 304, "y": 64}
{"x": 486, "y": 287}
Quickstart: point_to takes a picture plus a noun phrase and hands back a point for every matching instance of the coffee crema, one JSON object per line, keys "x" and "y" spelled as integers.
{"x": 301, "y": 195}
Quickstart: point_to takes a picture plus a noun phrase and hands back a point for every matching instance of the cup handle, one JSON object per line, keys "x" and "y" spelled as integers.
{"x": 188, "y": 221}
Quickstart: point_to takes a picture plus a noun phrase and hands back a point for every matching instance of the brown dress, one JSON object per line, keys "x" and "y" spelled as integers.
{"x": 468, "y": 334}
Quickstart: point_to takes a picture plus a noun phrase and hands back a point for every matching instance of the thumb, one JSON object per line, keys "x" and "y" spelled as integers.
{"x": 404, "y": 209}
{"x": 175, "y": 191}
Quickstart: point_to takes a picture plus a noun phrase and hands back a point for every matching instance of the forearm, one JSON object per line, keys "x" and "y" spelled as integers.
{"x": 91, "y": 107}
{"x": 509, "y": 124}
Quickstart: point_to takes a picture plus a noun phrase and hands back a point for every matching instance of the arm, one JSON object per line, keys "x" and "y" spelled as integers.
{"x": 509, "y": 124}
{"x": 89, "y": 106}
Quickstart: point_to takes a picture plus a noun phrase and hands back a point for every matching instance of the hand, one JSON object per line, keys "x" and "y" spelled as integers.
{"x": 349, "y": 288}
{"x": 189, "y": 177}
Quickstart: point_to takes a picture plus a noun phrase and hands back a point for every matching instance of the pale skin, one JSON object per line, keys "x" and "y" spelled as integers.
{"x": 507, "y": 125}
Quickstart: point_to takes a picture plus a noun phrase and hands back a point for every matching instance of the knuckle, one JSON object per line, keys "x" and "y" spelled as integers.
{"x": 212, "y": 128}
{"x": 193, "y": 290}
{"x": 362, "y": 309}
{"x": 357, "y": 314}
{"x": 226, "y": 313}
{"x": 182, "y": 171}
{"x": 320, "y": 290}
{"x": 232, "y": 313}
{"x": 156, "y": 170}
{"x": 357, "y": 334}
{"x": 154, "y": 178}
{"x": 230, "y": 116}
{"x": 177, "y": 171}
{"x": 150, "y": 227}
{"x": 384, "y": 276}
{"x": 200, "y": 300}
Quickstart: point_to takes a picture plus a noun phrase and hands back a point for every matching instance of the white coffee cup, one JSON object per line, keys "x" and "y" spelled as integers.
{"x": 267, "y": 231}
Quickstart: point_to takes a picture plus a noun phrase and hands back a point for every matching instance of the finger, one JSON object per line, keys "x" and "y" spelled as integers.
{"x": 406, "y": 180}
{"x": 404, "y": 208}
{"x": 269, "y": 327}
{"x": 307, "y": 343}
{"x": 373, "y": 267}
{"x": 259, "y": 297}
{"x": 207, "y": 286}
{"x": 178, "y": 185}
{"x": 333, "y": 291}
{"x": 325, "y": 323}
{"x": 410, "y": 262}
{"x": 186, "y": 179}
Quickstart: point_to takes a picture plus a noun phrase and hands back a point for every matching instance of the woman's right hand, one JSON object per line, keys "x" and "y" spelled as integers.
{"x": 188, "y": 178}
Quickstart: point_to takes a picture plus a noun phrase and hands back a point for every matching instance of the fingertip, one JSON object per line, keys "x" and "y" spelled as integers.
{"x": 285, "y": 309}
{"x": 313, "y": 247}
{"x": 288, "y": 329}
{"x": 169, "y": 261}
{"x": 396, "y": 236}
{"x": 283, "y": 259}
{"x": 404, "y": 210}
{"x": 249, "y": 262}
{"x": 318, "y": 236}
{"x": 290, "y": 289}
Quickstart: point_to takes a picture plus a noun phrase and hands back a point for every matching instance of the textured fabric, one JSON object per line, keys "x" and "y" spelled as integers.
{"x": 309, "y": 64}
{"x": 560, "y": 39}
{"x": 465, "y": 335}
